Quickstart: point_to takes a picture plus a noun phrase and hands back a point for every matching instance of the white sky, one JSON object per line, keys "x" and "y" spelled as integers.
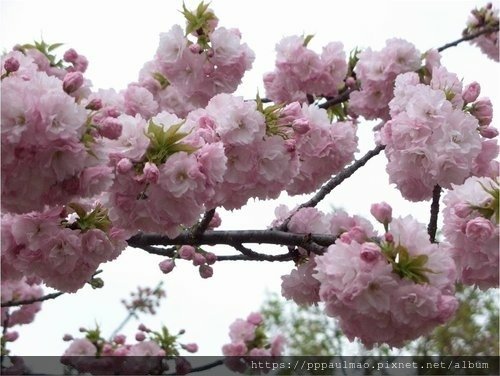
{"x": 119, "y": 36}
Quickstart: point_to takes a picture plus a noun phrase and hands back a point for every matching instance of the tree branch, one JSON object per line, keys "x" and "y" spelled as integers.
{"x": 203, "y": 225}
{"x": 280, "y": 258}
{"x": 338, "y": 99}
{"x": 467, "y": 37}
{"x": 432, "y": 227}
{"x": 14, "y": 303}
{"x": 334, "y": 182}
{"x": 311, "y": 242}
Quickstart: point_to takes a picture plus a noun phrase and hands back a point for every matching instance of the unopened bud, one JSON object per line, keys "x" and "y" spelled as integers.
{"x": 11, "y": 336}
{"x": 70, "y": 56}
{"x": 482, "y": 110}
{"x": 488, "y": 132}
{"x": 94, "y": 105}
{"x": 187, "y": 252}
{"x": 124, "y": 166}
{"x": 151, "y": 173}
{"x": 166, "y": 266}
{"x": 72, "y": 82}
{"x": 11, "y": 65}
{"x": 471, "y": 92}
{"x": 382, "y": 212}
{"x": 190, "y": 347}
{"x": 111, "y": 128}
{"x": 206, "y": 271}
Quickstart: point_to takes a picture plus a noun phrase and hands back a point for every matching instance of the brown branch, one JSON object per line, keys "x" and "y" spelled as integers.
{"x": 338, "y": 99}
{"x": 14, "y": 303}
{"x": 432, "y": 227}
{"x": 467, "y": 37}
{"x": 232, "y": 238}
{"x": 203, "y": 225}
{"x": 280, "y": 258}
{"x": 333, "y": 183}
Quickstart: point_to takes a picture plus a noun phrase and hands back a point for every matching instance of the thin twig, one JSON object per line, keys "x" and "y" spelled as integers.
{"x": 432, "y": 227}
{"x": 338, "y": 99}
{"x": 465, "y": 38}
{"x": 333, "y": 182}
{"x": 14, "y": 303}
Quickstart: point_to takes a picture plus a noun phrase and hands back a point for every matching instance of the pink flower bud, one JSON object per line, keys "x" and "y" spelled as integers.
{"x": 112, "y": 112}
{"x": 94, "y": 105}
{"x": 255, "y": 318}
{"x": 166, "y": 266}
{"x": 290, "y": 145}
{"x": 482, "y": 110}
{"x": 206, "y": 271}
{"x": 67, "y": 337}
{"x": 70, "y": 56}
{"x": 124, "y": 166}
{"x": 382, "y": 212}
{"x": 389, "y": 238}
{"x": 488, "y": 132}
{"x": 370, "y": 252}
{"x": 195, "y": 48}
{"x": 462, "y": 210}
{"x": 72, "y": 82}
{"x": 199, "y": 259}
{"x": 479, "y": 229}
{"x": 190, "y": 347}
{"x": 301, "y": 126}
{"x": 110, "y": 128}
{"x": 151, "y": 173}
{"x": 350, "y": 82}
{"x": 81, "y": 64}
{"x": 140, "y": 336}
{"x": 211, "y": 258}
{"x": 187, "y": 252}
{"x": 215, "y": 221}
{"x": 143, "y": 328}
{"x": 120, "y": 339}
{"x": 471, "y": 92}
{"x": 11, "y": 65}
{"x": 11, "y": 336}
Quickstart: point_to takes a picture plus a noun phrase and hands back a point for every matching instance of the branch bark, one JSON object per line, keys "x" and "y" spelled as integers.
{"x": 334, "y": 182}
{"x": 465, "y": 38}
{"x": 432, "y": 227}
{"x": 312, "y": 242}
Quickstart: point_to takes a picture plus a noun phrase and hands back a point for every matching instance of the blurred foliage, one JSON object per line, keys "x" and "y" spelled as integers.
{"x": 473, "y": 331}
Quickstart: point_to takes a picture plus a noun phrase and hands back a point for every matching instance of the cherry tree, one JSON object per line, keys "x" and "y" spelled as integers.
{"x": 86, "y": 173}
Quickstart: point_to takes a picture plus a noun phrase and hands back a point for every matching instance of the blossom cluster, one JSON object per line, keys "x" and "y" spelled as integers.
{"x": 62, "y": 249}
{"x": 483, "y": 19}
{"x": 471, "y": 229}
{"x": 49, "y": 155}
{"x": 433, "y": 138}
{"x": 197, "y": 256}
{"x": 376, "y": 72}
{"x": 301, "y": 72}
{"x": 300, "y": 285}
{"x": 387, "y": 289}
{"x": 97, "y": 355}
{"x": 185, "y": 74}
{"x": 249, "y": 340}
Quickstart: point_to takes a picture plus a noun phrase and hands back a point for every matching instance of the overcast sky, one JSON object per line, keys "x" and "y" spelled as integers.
{"x": 119, "y": 36}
